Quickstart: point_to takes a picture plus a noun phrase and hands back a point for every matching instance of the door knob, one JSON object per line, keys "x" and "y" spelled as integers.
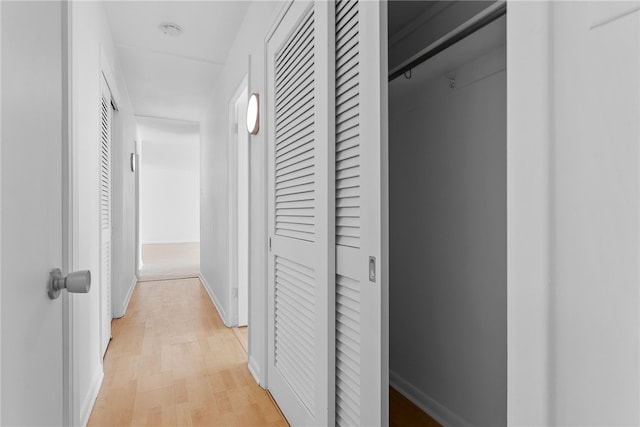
{"x": 78, "y": 282}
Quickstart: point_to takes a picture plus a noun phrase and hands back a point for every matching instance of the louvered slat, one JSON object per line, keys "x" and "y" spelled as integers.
{"x": 347, "y": 125}
{"x": 347, "y": 351}
{"x": 347, "y": 158}
{"x": 295, "y": 135}
{"x": 105, "y": 133}
{"x": 294, "y": 327}
{"x": 105, "y": 164}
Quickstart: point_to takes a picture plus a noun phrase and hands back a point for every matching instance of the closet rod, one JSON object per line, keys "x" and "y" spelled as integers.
{"x": 482, "y": 19}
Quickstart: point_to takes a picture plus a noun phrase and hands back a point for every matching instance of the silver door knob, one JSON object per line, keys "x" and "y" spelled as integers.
{"x": 78, "y": 282}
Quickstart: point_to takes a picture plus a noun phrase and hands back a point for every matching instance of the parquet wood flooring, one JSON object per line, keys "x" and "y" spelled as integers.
{"x": 173, "y": 362}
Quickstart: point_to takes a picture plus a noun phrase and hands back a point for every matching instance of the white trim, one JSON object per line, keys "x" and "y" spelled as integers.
{"x": 232, "y": 198}
{"x": 138, "y": 152}
{"x": 0, "y": 222}
{"x": 214, "y": 299}
{"x": 529, "y": 204}
{"x": 163, "y": 242}
{"x": 90, "y": 398}
{"x": 68, "y": 210}
{"x": 432, "y": 407}
{"x": 258, "y": 240}
{"x": 254, "y": 369}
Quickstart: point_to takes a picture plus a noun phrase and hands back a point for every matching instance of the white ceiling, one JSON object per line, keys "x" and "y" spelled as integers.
{"x": 173, "y": 77}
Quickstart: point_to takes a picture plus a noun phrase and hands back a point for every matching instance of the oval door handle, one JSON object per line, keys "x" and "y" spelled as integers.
{"x": 372, "y": 269}
{"x": 78, "y": 282}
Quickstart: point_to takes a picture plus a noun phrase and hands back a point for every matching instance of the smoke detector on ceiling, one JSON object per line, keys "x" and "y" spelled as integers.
{"x": 170, "y": 29}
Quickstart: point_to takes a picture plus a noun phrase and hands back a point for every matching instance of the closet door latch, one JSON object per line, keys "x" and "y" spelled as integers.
{"x": 372, "y": 269}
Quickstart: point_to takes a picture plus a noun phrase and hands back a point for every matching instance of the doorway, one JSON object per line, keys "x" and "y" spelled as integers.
{"x": 447, "y": 214}
{"x": 239, "y": 211}
{"x": 169, "y": 198}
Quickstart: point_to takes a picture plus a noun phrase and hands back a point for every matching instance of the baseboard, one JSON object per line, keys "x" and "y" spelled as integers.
{"x": 216, "y": 303}
{"x": 168, "y": 242}
{"x": 254, "y": 368}
{"x": 435, "y": 409}
{"x": 90, "y": 398}
{"x": 127, "y": 298}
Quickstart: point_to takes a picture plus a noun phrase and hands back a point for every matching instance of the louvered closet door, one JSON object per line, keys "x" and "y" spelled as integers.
{"x": 361, "y": 301}
{"x": 106, "y": 115}
{"x": 301, "y": 204}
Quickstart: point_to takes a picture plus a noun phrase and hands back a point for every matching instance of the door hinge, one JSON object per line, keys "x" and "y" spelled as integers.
{"x": 235, "y": 292}
{"x": 235, "y": 128}
{"x": 269, "y": 244}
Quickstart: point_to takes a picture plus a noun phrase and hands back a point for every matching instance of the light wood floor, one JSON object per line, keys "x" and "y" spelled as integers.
{"x": 173, "y": 362}
{"x": 402, "y": 412}
{"x": 242, "y": 333}
{"x": 169, "y": 261}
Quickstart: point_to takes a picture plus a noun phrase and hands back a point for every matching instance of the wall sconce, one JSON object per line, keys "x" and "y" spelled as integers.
{"x": 253, "y": 114}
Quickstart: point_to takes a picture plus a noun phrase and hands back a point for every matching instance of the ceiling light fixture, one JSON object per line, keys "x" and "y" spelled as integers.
{"x": 170, "y": 29}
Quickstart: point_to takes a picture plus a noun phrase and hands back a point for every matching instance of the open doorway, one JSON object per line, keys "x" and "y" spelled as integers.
{"x": 239, "y": 212}
{"x": 447, "y": 213}
{"x": 169, "y": 197}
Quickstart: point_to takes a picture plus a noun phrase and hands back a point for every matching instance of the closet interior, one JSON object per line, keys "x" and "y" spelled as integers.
{"x": 448, "y": 211}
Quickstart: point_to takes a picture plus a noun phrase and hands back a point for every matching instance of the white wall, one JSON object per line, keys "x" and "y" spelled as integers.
{"x": 573, "y": 213}
{"x": 448, "y": 264}
{"x": 91, "y": 34}
{"x": 245, "y": 56}
{"x": 596, "y": 214}
{"x": 170, "y": 190}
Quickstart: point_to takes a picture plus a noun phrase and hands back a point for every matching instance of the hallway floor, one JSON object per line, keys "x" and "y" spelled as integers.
{"x": 173, "y": 362}
{"x": 166, "y": 261}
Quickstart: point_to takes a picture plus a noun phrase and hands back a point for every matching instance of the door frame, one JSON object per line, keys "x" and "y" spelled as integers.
{"x": 232, "y": 198}
{"x": 64, "y": 391}
{"x": 68, "y": 213}
{"x": 106, "y": 72}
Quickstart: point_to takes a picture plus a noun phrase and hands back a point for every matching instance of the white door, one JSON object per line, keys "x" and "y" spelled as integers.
{"x": 106, "y": 116}
{"x": 32, "y": 238}
{"x": 301, "y": 219}
{"x": 242, "y": 181}
{"x": 361, "y": 306}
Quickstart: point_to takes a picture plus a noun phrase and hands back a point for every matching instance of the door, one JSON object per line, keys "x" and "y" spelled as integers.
{"x": 106, "y": 119}
{"x": 361, "y": 300}
{"x": 242, "y": 181}
{"x": 300, "y": 211}
{"x": 32, "y": 238}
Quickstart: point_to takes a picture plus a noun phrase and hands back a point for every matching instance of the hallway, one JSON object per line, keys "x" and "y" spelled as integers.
{"x": 169, "y": 261}
{"x": 173, "y": 362}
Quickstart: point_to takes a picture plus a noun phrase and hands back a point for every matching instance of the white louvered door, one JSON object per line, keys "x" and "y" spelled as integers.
{"x": 106, "y": 116}
{"x": 301, "y": 219}
{"x": 361, "y": 313}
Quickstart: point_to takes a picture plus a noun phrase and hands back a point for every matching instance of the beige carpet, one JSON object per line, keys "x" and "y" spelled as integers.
{"x": 169, "y": 261}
